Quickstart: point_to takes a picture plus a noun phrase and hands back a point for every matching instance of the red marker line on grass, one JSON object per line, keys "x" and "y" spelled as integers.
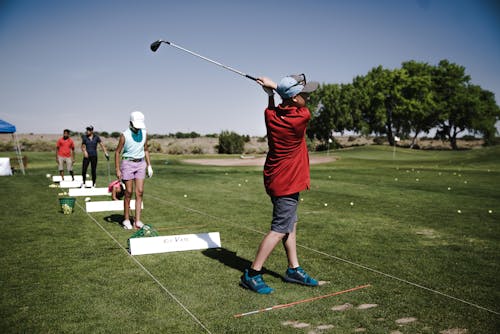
{"x": 275, "y": 307}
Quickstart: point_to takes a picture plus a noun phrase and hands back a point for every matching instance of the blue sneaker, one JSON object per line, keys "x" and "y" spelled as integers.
{"x": 255, "y": 283}
{"x": 298, "y": 275}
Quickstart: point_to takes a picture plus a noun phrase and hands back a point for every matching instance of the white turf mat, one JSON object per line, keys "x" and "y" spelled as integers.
{"x": 74, "y": 184}
{"x": 101, "y": 206}
{"x": 57, "y": 178}
{"x": 88, "y": 192}
{"x": 173, "y": 243}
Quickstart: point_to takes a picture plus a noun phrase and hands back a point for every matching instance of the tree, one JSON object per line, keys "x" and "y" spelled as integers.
{"x": 385, "y": 93}
{"x": 326, "y": 100}
{"x": 230, "y": 143}
{"x": 483, "y": 113}
{"x": 450, "y": 88}
{"x": 420, "y": 109}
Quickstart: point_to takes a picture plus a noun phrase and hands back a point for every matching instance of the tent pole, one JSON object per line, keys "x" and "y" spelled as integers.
{"x": 18, "y": 153}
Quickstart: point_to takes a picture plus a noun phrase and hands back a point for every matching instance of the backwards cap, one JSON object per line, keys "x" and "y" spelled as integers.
{"x": 295, "y": 84}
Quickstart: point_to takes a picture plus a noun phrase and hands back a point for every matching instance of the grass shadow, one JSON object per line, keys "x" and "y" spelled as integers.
{"x": 232, "y": 260}
{"x": 114, "y": 219}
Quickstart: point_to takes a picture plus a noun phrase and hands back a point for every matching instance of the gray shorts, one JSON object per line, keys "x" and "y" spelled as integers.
{"x": 284, "y": 213}
{"x": 69, "y": 163}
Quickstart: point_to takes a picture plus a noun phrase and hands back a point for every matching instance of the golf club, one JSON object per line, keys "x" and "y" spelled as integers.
{"x": 156, "y": 45}
{"x": 109, "y": 173}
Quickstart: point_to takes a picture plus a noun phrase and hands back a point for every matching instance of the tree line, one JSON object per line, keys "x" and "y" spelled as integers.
{"x": 405, "y": 103}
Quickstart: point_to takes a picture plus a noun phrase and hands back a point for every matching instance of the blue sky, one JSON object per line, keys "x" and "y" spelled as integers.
{"x": 68, "y": 64}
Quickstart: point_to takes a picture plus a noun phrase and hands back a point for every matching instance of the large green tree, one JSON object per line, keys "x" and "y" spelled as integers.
{"x": 420, "y": 110}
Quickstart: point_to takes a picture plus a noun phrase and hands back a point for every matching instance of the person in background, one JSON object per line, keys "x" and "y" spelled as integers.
{"x": 117, "y": 190}
{"x": 89, "y": 148}
{"x": 65, "y": 153}
{"x": 131, "y": 166}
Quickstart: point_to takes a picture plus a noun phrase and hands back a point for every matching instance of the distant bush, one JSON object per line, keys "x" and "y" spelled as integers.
{"x": 262, "y": 139}
{"x": 7, "y": 146}
{"x": 180, "y": 135}
{"x": 380, "y": 140}
{"x": 175, "y": 150}
{"x": 196, "y": 150}
{"x": 468, "y": 138}
{"x": 154, "y": 147}
{"x": 115, "y": 134}
{"x": 330, "y": 146}
{"x": 230, "y": 143}
{"x": 37, "y": 146}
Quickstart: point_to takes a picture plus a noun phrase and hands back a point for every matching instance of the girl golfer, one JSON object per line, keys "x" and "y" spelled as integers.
{"x": 131, "y": 166}
{"x": 286, "y": 173}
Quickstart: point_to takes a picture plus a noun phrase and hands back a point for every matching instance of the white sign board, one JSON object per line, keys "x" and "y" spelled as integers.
{"x": 58, "y": 178}
{"x": 100, "y": 206}
{"x": 88, "y": 192}
{"x": 174, "y": 243}
{"x": 5, "y": 167}
{"x": 74, "y": 184}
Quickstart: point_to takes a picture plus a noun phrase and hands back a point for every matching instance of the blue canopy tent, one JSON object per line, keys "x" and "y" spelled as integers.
{"x": 6, "y": 127}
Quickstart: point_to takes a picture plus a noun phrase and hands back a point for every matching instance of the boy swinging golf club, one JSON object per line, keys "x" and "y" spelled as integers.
{"x": 286, "y": 173}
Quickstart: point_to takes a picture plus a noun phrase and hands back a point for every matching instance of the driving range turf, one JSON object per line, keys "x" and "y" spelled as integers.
{"x": 431, "y": 267}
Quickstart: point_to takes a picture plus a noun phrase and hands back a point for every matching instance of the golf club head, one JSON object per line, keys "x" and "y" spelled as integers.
{"x": 155, "y": 45}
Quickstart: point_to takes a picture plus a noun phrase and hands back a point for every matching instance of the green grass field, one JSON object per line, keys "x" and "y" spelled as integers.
{"x": 431, "y": 267}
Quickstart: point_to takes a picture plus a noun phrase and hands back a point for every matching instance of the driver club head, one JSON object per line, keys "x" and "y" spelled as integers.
{"x": 155, "y": 45}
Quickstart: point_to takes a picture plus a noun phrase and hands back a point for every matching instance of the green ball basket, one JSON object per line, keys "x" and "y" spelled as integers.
{"x": 67, "y": 204}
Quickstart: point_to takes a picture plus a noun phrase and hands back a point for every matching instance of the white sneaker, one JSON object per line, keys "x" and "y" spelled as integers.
{"x": 139, "y": 224}
{"x": 126, "y": 224}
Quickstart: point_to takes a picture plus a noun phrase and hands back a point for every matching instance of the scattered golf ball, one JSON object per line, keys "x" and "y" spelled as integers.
{"x": 329, "y": 176}
{"x": 490, "y": 211}
{"x": 416, "y": 180}
{"x": 326, "y": 204}
{"x": 185, "y": 195}
{"x": 465, "y": 182}
{"x": 449, "y": 188}
{"x": 440, "y": 173}
{"x": 352, "y": 203}
{"x": 239, "y": 184}
{"x": 87, "y": 199}
{"x": 302, "y": 200}
{"x": 459, "y": 211}
{"x": 246, "y": 181}
{"x": 48, "y": 176}
{"x": 395, "y": 179}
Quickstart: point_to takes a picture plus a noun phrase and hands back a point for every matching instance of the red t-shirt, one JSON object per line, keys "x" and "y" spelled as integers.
{"x": 286, "y": 170}
{"x": 64, "y": 147}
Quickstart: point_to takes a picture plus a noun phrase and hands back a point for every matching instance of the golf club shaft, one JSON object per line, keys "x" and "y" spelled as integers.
{"x": 275, "y": 307}
{"x": 155, "y": 45}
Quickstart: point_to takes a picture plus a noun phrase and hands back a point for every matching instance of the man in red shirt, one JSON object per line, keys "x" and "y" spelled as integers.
{"x": 286, "y": 173}
{"x": 65, "y": 153}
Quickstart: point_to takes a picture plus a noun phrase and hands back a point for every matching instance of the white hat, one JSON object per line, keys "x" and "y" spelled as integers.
{"x": 137, "y": 120}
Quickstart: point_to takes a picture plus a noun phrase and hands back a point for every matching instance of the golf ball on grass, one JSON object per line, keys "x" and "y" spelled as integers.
{"x": 326, "y": 204}
{"x": 490, "y": 211}
{"x": 459, "y": 211}
{"x": 185, "y": 195}
{"x": 352, "y": 203}
{"x": 87, "y": 199}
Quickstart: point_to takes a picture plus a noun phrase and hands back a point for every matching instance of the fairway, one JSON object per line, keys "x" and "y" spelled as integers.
{"x": 420, "y": 227}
